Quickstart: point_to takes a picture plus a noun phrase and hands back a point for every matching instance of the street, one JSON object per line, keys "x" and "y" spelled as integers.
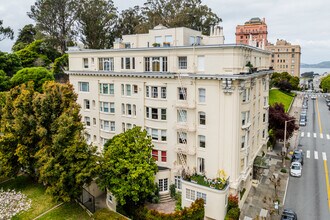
{"x": 309, "y": 195}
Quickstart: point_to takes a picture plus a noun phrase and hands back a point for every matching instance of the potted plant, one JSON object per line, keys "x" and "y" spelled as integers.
{"x": 166, "y": 44}
{"x": 156, "y": 44}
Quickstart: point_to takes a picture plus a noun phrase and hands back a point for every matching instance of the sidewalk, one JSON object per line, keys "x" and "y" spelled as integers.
{"x": 261, "y": 198}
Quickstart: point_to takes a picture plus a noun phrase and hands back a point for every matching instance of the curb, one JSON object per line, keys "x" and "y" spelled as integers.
{"x": 286, "y": 189}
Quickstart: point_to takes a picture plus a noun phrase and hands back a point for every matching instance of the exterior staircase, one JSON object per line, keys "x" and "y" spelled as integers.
{"x": 165, "y": 198}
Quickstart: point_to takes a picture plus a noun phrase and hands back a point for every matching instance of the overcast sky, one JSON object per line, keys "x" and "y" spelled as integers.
{"x": 303, "y": 22}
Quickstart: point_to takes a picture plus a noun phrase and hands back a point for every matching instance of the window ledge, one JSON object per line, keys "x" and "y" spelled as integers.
{"x": 246, "y": 126}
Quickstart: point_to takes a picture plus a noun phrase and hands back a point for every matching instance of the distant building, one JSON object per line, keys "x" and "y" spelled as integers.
{"x": 285, "y": 57}
{"x": 255, "y": 29}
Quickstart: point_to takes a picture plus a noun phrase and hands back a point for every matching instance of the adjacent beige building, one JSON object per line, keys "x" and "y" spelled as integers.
{"x": 192, "y": 93}
{"x": 285, "y": 57}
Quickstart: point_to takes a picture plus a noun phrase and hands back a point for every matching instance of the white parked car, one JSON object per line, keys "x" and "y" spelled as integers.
{"x": 296, "y": 169}
{"x": 313, "y": 97}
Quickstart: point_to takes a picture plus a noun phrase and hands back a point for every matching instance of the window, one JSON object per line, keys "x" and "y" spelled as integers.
{"x": 246, "y": 95}
{"x": 83, "y": 86}
{"x": 202, "y": 118}
{"x": 201, "y": 95}
{"x": 182, "y": 116}
{"x": 264, "y": 117}
{"x": 106, "y": 64}
{"x": 201, "y": 195}
{"x": 106, "y": 88}
{"x": 105, "y": 125}
{"x": 85, "y": 60}
{"x": 163, "y": 114}
{"x": 112, "y": 107}
{"x": 200, "y": 63}
{"x": 201, "y": 141}
{"x": 163, "y": 92}
{"x": 201, "y": 164}
{"x": 182, "y": 137}
{"x": 122, "y": 89}
{"x": 123, "y": 127}
{"x": 155, "y": 154}
{"x": 154, "y": 92}
{"x": 263, "y": 133}
{"x": 86, "y": 104}
{"x": 155, "y": 64}
{"x": 163, "y": 135}
{"x": 154, "y": 134}
{"x": 128, "y": 90}
{"x": 88, "y": 139}
{"x": 154, "y": 113}
{"x": 182, "y": 63}
{"x": 88, "y": 121}
{"x": 134, "y": 110}
{"x": 265, "y": 101}
{"x": 128, "y": 126}
{"x": 135, "y": 89}
{"x": 177, "y": 182}
{"x": 158, "y": 39}
{"x": 163, "y": 153}
{"x": 104, "y": 107}
{"x": 190, "y": 194}
{"x": 129, "y": 109}
{"x": 243, "y": 142}
{"x": 133, "y": 62}
{"x": 182, "y": 93}
{"x": 168, "y": 38}
{"x": 147, "y": 91}
{"x": 127, "y": 63}
{"x": 147, "y": 112}
{"x": 163, "y": 185}
{"x": 245, "y": 118}
{"x": 122, "y": 63}
{"x": 112, "y": 126}
{"x": 123, "y": 112}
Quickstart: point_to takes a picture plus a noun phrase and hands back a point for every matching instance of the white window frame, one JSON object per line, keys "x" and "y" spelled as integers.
{"x": 87, "y": 121}
{"x": 202, "y": 121}
{"x": 182, "y": 62}
{"x": 87, "y": 104}
{"x": 202, "y": 95}
{"x": 83, "y": 86}
{"x": 201, "y": 165}
{"x": 182, "y": 116}
{"x": 202, "y": 141}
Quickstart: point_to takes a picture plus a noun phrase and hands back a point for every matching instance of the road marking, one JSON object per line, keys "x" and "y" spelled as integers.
{"x": 327, "y": 181}
{"x": 328, "y": 136}
{"x": 321, "y": 136}
{"x": 324, "y": 156}
{"x": 308, "y": 154}
{"x": 318, "y": 115}
{"x": 302, "y": 134}
{"x": 308, "y": 134}
{"x": 316, "y": 155}
{"x": 314, "y": 135}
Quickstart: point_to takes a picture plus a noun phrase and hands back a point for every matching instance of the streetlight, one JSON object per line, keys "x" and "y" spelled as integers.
{"x": 284, "y": 150}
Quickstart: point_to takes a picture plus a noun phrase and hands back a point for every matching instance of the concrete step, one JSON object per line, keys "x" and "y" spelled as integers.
{"x": 165, "y": 198}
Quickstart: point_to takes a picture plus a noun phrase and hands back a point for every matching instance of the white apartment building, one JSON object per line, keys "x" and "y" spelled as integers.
{"x": 193, "y": 95}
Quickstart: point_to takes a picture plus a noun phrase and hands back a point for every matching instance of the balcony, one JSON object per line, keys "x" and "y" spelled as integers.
{"x": 219, "y": 183}
{"x": 185, "y": 127}
{"x": 184, "y": 104}
{"x": 185, "y": 149}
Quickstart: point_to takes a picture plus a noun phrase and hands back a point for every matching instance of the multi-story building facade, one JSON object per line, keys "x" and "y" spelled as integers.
{"x": 193, "y": 94}
{"x": 253, "y": 30}
{"x": 285, "y": 57}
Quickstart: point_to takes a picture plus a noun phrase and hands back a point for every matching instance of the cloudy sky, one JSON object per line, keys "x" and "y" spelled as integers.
{"x": 303, "y": 22}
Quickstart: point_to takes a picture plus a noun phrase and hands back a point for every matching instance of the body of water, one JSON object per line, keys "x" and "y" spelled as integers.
{"x": 315, "y": 70}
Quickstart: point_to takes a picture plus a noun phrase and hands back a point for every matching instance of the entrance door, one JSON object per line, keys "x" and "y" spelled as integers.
{"x": 163, "y": 185}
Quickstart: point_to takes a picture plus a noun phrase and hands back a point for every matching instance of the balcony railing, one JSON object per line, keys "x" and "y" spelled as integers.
{"x": 185, "y": 149}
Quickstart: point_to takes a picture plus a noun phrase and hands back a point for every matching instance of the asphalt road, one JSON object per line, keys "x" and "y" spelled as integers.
{"x": 309, "y": 195}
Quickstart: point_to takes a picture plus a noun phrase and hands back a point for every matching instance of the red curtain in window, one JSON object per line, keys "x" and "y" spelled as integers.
{"x": 163, "y": 156}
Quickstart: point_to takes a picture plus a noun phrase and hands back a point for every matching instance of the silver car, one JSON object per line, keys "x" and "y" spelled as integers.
{"x": 296, "y": 169}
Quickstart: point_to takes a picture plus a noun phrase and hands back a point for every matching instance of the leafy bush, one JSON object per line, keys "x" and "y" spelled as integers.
{"x": 172, "y": 191}
{"x": 232, "y": 202}
{"x": 178, "y": 203}
{"x": 233, "y": 214}
{"x": 283, "y": 170}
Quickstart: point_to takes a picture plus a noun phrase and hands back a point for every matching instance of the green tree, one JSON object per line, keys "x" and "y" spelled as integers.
{"x": 65, "y": 161}
{"x": 6, "y": 32}
{"x": 128, "y": 169}
{"x": 180, "y": 13}
{"x": 26, "y": 36}
{"x": 284, "y": 81}
{"x": 325, "y": 84}
{"x": 38, "y": 75}
{"x": 96, "y": 19}
{"x": 130, "y": 21}
{"x": 10, "y": 63}
{"x": 4, "y": 81}
{"x": 56, "y": 20}
{"x": 18, "y": 143}
{"x": 59, "y": 66}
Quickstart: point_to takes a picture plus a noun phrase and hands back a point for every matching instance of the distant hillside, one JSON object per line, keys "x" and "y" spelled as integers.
{"x": 324, "y": 64}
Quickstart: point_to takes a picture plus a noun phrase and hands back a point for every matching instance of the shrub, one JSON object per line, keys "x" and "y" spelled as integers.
{"x": 233, "y": 214}
{"x": 172, "y": 190}
{"x": 232, "y": 202}
{"x": 283, "y": 170}
{"x": 178, "y": 203}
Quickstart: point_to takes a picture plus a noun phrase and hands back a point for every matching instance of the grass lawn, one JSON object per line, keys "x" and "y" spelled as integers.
{"x": 105, "y": 214}
{"x": 41, "y": 202}
{"x": 275, "y": 95}
{"x": 67, "y": 211}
